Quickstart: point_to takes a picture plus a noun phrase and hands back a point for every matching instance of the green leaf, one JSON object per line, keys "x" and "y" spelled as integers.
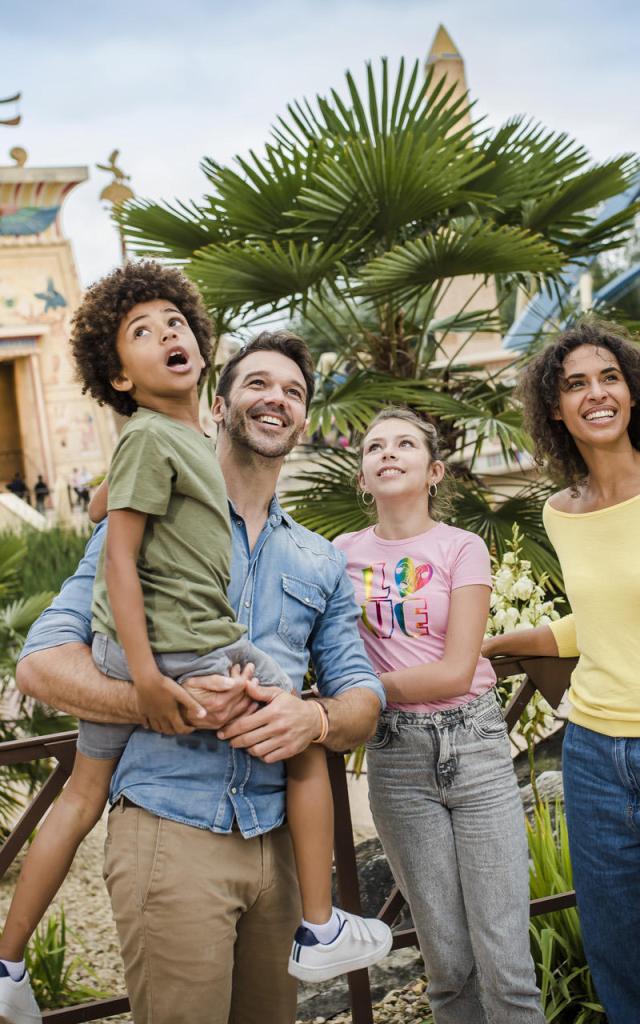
{"x": 461, "y": 248}
{"x": 262, "y": 273}
{"x": 164, "y": 231}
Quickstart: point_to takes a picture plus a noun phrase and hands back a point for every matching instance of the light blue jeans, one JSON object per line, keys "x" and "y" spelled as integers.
{"x": 602, "y": 800}
{"x": 446, "y": 805}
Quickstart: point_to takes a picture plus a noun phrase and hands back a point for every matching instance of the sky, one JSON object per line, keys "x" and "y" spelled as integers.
{"x": 168, "y": 82}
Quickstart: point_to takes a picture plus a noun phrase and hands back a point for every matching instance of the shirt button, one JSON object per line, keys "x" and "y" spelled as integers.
{"x": 273, "y": 520}
{"x": 233, "y": 790}
{"x": 247, "y": 604}
{"x": 306, "y": 600}
{"x": 437, "y": 717}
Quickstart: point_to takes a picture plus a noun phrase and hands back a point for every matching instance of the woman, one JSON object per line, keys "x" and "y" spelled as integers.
{"x": 582, "y": 405}
{"x": 442, "y": 787}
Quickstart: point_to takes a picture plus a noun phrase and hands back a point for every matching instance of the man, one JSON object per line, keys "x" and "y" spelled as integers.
{"x": 198, "y": 865}
{"x": 41, "y": 492}
{"x": 18, "y": 487}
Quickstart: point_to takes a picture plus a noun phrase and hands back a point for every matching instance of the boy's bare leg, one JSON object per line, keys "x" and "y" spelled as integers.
{"x": 47, "y": 863}
{"x": 310, "y": 816}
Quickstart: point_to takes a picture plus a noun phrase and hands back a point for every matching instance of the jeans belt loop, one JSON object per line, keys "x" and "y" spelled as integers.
{"x": 393, "y": 724}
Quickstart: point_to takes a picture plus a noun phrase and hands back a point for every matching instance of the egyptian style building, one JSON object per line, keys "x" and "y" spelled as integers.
{"x": 47, "y": 426}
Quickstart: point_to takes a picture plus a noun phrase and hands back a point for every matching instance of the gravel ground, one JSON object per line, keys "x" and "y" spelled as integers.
{"x": 407, "y": 1005}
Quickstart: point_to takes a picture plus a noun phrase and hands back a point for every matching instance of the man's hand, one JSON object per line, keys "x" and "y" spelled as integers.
{"x": 160, "y": 699}
{"x": 224, "y": 698}
{"x": 283, "y": 727}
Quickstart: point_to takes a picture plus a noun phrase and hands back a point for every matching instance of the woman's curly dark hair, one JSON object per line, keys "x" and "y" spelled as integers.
{"x": 539, "y": 391}
{"x": 99, "y": 315}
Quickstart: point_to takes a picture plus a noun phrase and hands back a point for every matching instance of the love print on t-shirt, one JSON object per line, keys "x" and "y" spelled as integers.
{"x": 380, "y": 613}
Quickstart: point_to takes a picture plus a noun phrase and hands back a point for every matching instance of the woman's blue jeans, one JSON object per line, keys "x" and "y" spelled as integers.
{"x": 602, "y": 800}
{"x": 446, "y": 805}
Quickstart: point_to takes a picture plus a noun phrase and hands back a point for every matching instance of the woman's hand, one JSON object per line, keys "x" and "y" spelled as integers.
{"x": 521, "y": 643}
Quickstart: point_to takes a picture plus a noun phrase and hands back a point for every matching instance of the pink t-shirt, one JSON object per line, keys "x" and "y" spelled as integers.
{"x": 404, "y": 589}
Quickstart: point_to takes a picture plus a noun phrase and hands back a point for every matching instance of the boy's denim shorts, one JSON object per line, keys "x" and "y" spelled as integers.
{"x": 104, "y": 741}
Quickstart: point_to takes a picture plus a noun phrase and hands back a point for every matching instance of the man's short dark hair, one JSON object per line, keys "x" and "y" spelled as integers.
{"x": 284, "y": 342}
{"x": 99, "y": 315}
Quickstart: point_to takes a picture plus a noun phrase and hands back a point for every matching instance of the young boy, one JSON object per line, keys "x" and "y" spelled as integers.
{"x": 160, "y": 610}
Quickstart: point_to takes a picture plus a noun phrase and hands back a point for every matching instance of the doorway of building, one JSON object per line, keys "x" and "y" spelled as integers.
{"x": 11, "y": 461}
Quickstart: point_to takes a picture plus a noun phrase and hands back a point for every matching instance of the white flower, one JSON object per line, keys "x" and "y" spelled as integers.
{"x": 504, "y": 582}
{"x": 500, "y": 618}
{"x": 524, "y": 565}
{"x": 523, "y": 588}
{"x": 511, "y": 620}
{"x": 509, "y": 558}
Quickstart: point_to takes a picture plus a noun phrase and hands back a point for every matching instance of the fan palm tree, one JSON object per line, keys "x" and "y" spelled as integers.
{"x": 354, "y": 221}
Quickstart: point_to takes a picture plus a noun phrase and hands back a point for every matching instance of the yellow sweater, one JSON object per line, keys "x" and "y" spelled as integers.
{"x": 600, "y": 557}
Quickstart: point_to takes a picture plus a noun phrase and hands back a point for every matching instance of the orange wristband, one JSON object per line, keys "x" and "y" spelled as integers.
{"x": 324, "y": 723}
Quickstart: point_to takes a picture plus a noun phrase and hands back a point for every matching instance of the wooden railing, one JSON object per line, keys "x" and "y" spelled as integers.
{"x": 548, "y": 675}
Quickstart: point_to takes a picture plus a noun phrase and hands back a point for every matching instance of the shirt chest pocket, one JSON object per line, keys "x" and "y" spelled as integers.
{"x": 302, "y": 602}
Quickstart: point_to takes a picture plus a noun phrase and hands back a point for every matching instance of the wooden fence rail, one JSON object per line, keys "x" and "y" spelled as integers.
{"x": 548, "y": 675}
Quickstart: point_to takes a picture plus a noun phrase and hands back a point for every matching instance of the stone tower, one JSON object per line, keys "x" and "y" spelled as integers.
{"x": 468, "y": 293}
{"x": 47, "y": 425}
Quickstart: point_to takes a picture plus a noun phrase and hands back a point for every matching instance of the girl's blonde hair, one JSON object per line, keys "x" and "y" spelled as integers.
{"x": 429, "y": 436}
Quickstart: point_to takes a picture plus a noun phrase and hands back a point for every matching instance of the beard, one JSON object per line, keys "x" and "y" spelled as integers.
{"x": 238, "y": 427}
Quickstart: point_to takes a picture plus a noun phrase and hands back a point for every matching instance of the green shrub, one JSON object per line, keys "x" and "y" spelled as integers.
{"x": 51, "y": 556}
{"x": 52, "y": 977}
{"x": 566, "y": 985}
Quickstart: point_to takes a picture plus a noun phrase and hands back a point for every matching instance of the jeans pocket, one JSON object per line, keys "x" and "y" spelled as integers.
{"x": 490, "y": 725}
{"x": 380, "y": 738}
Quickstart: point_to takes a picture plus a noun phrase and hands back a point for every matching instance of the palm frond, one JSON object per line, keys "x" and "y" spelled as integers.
{"x": 565, "y": 209}
{"x": 18, "y": 616}
{"x": 461, "y": 248}
{"x": 12, "y": 551}
{"x": 325, "y": 496}
{"x": 262, "y": 273}
{"x": 259, "y": 201}
{"x": 351, "y": 405}
{"x": 166, "y": 231}
{"x": 492, "y": 517}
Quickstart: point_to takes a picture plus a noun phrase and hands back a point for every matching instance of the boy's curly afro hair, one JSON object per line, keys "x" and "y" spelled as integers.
{"x": 99, "y": 315}
{"x": 539, "y": 390}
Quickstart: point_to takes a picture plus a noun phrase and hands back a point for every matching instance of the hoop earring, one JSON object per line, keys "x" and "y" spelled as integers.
{"x": 433, "y": 490}
{"x": 364, "y": 500}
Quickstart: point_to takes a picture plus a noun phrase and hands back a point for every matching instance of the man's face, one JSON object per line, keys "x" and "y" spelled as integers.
{"x": 266, "y": 408}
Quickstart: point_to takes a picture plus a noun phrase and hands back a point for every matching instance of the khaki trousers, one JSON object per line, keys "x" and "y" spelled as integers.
{"x": 205, "y": 920}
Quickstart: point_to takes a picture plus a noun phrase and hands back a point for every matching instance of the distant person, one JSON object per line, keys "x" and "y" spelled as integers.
{"x": 83, "y": 492}
{"x": 18, "y": 487}
{"x": 41, "y": 492}
{"x": 74, "y": 484}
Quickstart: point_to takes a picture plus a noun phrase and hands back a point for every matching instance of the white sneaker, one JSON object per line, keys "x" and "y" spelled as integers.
{"x": 361, "y": 942}
{"x": 17, "y": 1001}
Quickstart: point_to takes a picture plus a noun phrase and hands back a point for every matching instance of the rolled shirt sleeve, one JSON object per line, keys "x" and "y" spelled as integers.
{"x": 68, "y": 618}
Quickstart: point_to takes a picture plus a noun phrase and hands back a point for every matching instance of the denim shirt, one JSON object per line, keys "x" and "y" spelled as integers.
{"x": 293, "y": 594}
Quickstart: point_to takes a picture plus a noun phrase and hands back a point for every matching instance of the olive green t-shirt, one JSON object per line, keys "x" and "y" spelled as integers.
{"x": 170, "y": 472}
